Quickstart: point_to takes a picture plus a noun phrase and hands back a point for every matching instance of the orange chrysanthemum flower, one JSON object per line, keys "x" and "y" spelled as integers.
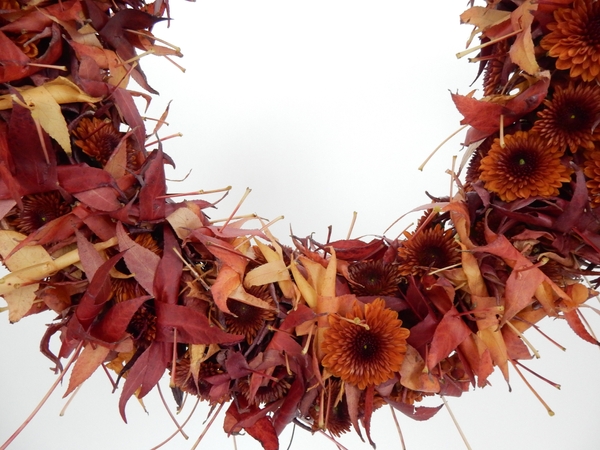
{"x": 365, "y": 349}
{"x": 373, "y": 278}
{"x": 571, "y": 117}
{"x": 38, "y": 210}
{"x": 250, "y": 319}
{"x": 575, "y": 39}
{"x": 430, "y": 248}
{"x": 591, "y": 169}
{"x": 526, "y": 166}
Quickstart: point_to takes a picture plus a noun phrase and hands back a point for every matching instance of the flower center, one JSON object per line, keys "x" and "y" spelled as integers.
{"x": 572, "y": 117}
{"x": 366, "y": 345}
{"x": 592, "y": 30}
{"x": 431, "y": 256}
{"x": 522, "y": 164}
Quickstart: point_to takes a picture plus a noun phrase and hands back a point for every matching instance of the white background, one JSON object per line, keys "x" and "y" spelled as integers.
{"x": 322, "y": 108}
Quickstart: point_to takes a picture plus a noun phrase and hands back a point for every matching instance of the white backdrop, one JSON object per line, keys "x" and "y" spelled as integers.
{"x": 322, "y": 108}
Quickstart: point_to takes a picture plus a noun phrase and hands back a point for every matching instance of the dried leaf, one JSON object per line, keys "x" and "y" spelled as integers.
{"x": 87, "y": 362}
{"x": 140, "y": 261}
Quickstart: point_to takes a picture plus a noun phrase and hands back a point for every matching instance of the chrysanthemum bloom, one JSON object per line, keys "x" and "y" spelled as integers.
{"x": 367, "y": 348}
{"x": 473, "y": 169}
{"x": 38, "y": 210}
{"x": 526, "y": 166}
{"x": 335, "y": 414}
{"x": 591, "y": 169}
{"x": 250, "y": 319}
{"x": 99, "y": 139}
{"x": 571, "y": 117}
{"x": 373, "y": 278}
{"x": 427, "y": 249}
{"x": 575, "y": 39}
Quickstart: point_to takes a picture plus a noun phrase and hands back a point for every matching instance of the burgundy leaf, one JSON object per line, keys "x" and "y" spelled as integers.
{"x": 289, "y": 409}
{"x": 114, "y": 323}
{"x": 140, "y": 261}
{"x": 192, "y": 326}
{"x": 97, "y": 293}
{"x": 169, "y": 269}
{"x": 152, "y": 202}
{"x": 129, "y": 110}
{"x": 145, "y": 373}
{"x": 417, "y": 413}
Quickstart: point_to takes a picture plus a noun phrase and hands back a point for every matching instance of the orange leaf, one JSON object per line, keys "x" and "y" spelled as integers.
{"x": 522, "y": 51}
{"x": 87, "y": 362}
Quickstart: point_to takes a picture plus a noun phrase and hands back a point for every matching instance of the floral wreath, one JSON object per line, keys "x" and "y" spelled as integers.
{"x": 319, "y": 335}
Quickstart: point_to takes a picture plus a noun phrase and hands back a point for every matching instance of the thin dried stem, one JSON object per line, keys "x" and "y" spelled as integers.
{"x": 398, "y": 427}
{"x": 422, "y": 166}
{"x": 164, "y": 402}
{"x": 548, "y": 409}
{"x": 529, "y": 344}
{"x": 71, "y": 397}
{"x": 207, "y": 427}
{"x": 486, "y": 44}
{"x": 182, "y": 425}
{"x": 46, "y": 397}
{"x": 460, "y": 431}
{"x": 354, "y": 215}
{"x": 235, "y": 210}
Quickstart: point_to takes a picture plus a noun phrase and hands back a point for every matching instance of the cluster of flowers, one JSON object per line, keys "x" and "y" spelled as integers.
{"x": 322, "y": 334}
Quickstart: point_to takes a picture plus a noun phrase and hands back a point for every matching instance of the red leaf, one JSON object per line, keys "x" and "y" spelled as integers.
{"x": 97, "y": 293}
{"x": 114, "y": 323}
{"x": 485, "y": 116}
{"x": 168, "y": 271}
{"x": 355, "y": 250}
{"x": 101, "y": 198}
{"x": 417, "y": 413}
{"x": 223, "y": 251}
{"x": 449, "y": 334}
{"x": 152, "y": 203}
{"x": 81, "y": 177}
{"x": 91, "y": 259}
{"x": 33, "y": 160}
{"x": 254, "y": 421}
{"x": 15, "y": 65}
{"x": 578, "y": 327}
{"x": 131, "y": 114}
{"x": 236, "y": 365}
{"x": 116, "y": 35}
{"x": 145, "y": 373}
{"x": 192, "y": 326}
{"x": 140, "y": 261}
{"x": 289, "y": 409}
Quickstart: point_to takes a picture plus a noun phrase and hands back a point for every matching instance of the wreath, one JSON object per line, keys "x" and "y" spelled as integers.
{"x": 320, "y": 335}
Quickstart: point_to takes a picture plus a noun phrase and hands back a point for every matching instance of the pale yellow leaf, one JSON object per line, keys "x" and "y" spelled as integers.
{"x": 20, "y": 301}
{"x": 26, "y": 256}
{"x": 267, "y": 273}
{"x": 183, "y": 221}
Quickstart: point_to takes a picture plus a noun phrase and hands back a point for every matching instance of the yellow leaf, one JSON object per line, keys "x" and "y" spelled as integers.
{"x": 183, "y": 221}
{"x": 522, "y": 52}
{"x": 267, "y": 273}
{"x": 20, "y": 301}
{"x": 26, "y": 256}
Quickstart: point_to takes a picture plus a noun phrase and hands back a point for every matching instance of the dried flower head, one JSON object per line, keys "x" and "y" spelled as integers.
{"x": 494, "y": 75}
{"x": 591, "y": 169}
{"x": 374, "y": 278}
{"x": 526, "y": 166}
{"x": 38, "y": 210}
{"x": 571, "y": 117}
{"x": 250, "y": 319}
{"x": 273, "y": 390}
{"x": 333, "y": 414}
{"x": 367, "y": 348}
{"x": 184, "y": 378}
{"x": 575, "y": 39}
{"x": 426, "y": 249}
{"x": 99, "y": 139}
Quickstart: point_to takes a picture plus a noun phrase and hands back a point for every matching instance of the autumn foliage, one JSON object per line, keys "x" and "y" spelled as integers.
{"x": 323, "y": 333}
